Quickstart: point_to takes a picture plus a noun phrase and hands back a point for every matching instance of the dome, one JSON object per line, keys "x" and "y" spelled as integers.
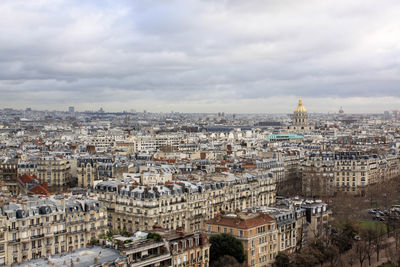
{"x": 300, "y": 108}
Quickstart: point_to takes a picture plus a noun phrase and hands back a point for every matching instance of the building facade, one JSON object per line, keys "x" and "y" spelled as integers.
{"x": 257, "y": 232}
{"x": 182, "y": 204}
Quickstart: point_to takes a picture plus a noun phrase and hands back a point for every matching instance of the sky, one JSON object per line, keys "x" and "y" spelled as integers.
{"x": 229, "y": 56}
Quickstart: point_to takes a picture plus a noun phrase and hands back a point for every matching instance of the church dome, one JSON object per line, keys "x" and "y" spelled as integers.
{"x": 300, "y": 108}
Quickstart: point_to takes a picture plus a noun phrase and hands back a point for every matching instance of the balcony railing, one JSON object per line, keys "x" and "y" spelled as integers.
{"x": 37, "y": 236}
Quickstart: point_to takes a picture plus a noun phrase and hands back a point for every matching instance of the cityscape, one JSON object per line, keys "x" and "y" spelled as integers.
{"x": 199, "y": 133}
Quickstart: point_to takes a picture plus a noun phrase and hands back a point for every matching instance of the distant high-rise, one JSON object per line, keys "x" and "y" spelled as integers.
{"x": 387, "y": 116}
{"x": 395, "y": 114}
{"x": 71, "y": 109}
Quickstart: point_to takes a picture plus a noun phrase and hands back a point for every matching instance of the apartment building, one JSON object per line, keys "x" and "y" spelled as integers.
{"x": 347, "y": 171}
{"x": 318, "y": 174}
{"x": 313, "y": 217}
{"x": 189, "y": 249}
{"x": 287, "y": 227}
{"x": 145, "y": 252}
{"x": 164, "y": 248}
{"x": 85, "y": 219}
{"x": 56, "y": 172}
{"x": 257, "y": 232}
{"x": 149, "y": 142}
{"x": 91, "y": 169}
{"x": 9, "y": 175}
{"x": 36, "y": 228}
{"x": 182, "y": 203}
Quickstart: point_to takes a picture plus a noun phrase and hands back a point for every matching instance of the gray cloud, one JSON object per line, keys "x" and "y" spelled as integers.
{"x": 236, "y": 56}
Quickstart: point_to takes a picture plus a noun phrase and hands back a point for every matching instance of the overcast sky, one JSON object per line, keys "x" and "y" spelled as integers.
{"x": 201, "y": 56}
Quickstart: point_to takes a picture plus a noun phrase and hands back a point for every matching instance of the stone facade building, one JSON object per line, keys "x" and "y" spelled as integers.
{"x": 182, "y": 204}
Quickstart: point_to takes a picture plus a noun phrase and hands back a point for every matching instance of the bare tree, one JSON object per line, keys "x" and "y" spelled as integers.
{"x": 361, "y": 248}
{"x": 351, "y": 257}
{"x": 378, "y": 241}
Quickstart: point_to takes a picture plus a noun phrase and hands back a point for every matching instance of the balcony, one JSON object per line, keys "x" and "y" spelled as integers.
{"x": 147, "y": 261}
{"x": 17, "y": 240}
{"x": 60, "y": 232}
{"x": 37, "y": 236}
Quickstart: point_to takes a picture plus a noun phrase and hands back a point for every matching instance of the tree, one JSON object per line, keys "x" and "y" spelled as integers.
{"x": 368, "y": 234}
{"x": 94, "y": 240}
{"x": 305, "y": 259}
{"x": 344, "y": 238}
{"x": 282, "y": 260}
{"x": 351, "y": 259}
{"x": 227, "y": 261}
{"x": 332, "y": 255}
{"x": 361, "y": 251}
{"x": 378, "y": 241}
{"x": 226, "y": 244}
{"x": 154, "y": 236}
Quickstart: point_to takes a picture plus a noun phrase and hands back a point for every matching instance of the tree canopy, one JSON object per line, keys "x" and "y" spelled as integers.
{"x": 226, "y": 244}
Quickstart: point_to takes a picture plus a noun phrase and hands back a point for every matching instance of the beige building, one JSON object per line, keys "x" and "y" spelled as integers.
{"x": 347, "y": 171}
{"x": 56, "y": 172}
{"x": 182, "y": 204}
{"x": 287, "y": 227}
{"x": 42, "y": 227}
{"x": 257, "y": 232}
{"x": 188, "y": 249}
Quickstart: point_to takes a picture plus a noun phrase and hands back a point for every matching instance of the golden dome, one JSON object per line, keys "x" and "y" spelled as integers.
{"x": 300, "y": 108}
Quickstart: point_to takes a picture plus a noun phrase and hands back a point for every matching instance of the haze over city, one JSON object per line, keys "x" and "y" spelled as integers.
{"x": 200, "y": 56}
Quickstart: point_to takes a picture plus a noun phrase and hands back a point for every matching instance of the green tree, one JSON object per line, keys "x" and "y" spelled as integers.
{"x": 226, "y": 244}
{"x": 154, "y": 236}
{"x": 94, "y": 240}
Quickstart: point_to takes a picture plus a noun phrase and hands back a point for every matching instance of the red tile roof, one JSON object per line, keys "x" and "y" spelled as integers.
{"x": 26, "y": 178}
{"x": 40, "y": 190}
{"x": 241, "y": 222}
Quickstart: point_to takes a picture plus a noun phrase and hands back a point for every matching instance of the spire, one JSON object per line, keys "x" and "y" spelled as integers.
{"x": 300, "y": 107}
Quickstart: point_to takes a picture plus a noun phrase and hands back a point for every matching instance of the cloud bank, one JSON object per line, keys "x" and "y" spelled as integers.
{"x": 200, "y": 56}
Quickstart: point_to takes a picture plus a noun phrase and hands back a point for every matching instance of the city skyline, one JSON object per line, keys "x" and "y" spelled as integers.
{"x": 200, "y": 56}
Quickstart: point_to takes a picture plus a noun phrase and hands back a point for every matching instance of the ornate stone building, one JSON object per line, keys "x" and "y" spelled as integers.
{"x": 182, "y": 204}
{"x": 35, "y": 228}
{"x": 300, "y": 119}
